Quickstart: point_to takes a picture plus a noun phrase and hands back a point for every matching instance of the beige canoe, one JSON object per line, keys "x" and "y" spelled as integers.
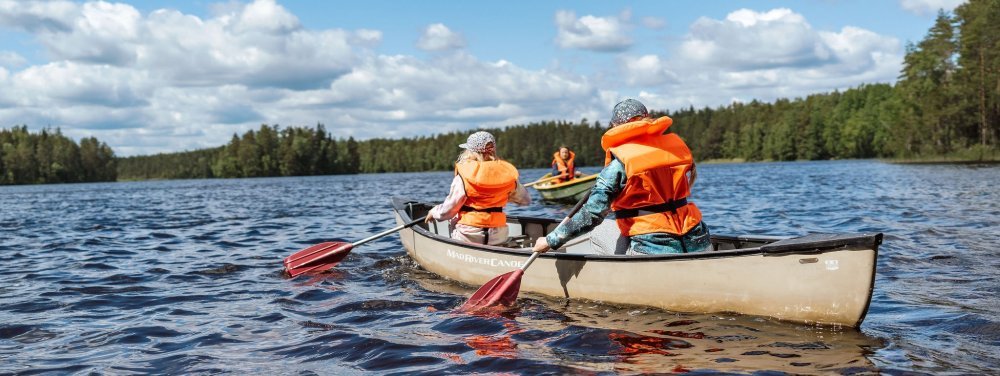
{"x": 818, "y": 278}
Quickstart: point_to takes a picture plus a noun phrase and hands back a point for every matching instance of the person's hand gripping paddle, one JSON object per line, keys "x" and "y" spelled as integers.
{"x": 504, "y": 288}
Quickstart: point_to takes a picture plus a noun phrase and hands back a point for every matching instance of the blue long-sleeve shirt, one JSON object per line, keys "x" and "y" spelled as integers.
{"x": 610, "y": 183}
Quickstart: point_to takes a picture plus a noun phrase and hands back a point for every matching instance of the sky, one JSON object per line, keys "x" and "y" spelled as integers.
{"x": 154, "y": 76}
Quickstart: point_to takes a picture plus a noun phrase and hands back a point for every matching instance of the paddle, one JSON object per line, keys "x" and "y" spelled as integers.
{"x": 503, "y": 288}
{"x": 539, "y": 181}
{"x": 323, "y": 256}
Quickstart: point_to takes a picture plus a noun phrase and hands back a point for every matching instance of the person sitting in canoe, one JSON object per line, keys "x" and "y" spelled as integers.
{"x": 646, "y": 181}
{"x": 562, "y": 165}
{"x": 483, "y": 184}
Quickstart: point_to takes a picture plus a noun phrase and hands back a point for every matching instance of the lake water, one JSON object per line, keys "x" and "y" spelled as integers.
{"x": 185, "y": 277}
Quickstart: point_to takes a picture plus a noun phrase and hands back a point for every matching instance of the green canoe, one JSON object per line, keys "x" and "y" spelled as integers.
{"x": 567, "y": 191}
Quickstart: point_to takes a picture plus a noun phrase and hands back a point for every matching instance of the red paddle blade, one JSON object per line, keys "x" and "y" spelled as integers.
{"x": 500, "y": 290}
{"x": 317, "y": 258}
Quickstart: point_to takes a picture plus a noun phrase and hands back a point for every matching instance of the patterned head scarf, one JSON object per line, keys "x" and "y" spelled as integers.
{"x": 480, "y": 142}
{"x": 625, "y": 110}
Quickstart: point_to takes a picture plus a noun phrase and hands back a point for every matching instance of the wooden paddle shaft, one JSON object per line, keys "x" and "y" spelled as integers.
{"x": 576, "y": 208}
{"x": 386, "y": 232}
{"x": 531, "y": 259}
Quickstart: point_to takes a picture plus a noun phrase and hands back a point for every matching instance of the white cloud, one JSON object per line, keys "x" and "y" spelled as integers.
{"x": 408, "y": 96}
{"x": 167, "y": 81}
{"x": 929, "y": 7}
{"x": 256, "y": 44}
{"x": 762, "y": 55}
{"x": 647, "y": 70}
{"x": 227, "y": 50}
{"x": 38, "y": 16}
{"x": 96, "y": 32}
{"x": 781, "y": 39}
{"x": 859, "y": 50}
{"x": 65, "y": 84}
{"x": 367, "y": 37}
{"x": 438, "y": 37}
{"x": 11, "y": 59}
{"x": 592, "y": 33}
{"x": 185, "y": 81}
{"x": 265, "y": 16}
{"x": 747, "y": 39}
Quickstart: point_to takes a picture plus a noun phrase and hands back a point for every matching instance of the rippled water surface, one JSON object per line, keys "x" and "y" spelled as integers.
{"x": 185, "y": 277}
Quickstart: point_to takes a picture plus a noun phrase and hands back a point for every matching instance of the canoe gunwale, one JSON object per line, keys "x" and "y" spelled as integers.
{"x": 784, "y": 247}
{"x": 566, "y": 184}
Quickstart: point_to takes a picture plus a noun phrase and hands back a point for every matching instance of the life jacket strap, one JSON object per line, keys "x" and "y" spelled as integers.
{"x": 466, "y": 208}
{"x": 668, "y": 206}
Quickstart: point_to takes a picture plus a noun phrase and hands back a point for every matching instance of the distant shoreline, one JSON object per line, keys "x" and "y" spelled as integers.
{"x": 900, "y": 161}
{"x": 942, "y": 161}
{"x": 716, "y": 161}
{"x": 974, "y": 155}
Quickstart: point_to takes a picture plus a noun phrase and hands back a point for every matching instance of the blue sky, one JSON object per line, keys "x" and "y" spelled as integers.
{"x": 154, "y": 76}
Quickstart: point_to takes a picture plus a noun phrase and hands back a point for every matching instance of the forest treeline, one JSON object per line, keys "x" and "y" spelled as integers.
{"x": 946, "y": 102}
{"x": 297, "y": 151}
{"x": 50, "y": 157}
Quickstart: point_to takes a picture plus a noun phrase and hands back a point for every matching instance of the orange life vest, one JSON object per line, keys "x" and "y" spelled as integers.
{"x": 487, "y": 187}
{"x": 656, "y": 187}
{"x": 559, "y": 164}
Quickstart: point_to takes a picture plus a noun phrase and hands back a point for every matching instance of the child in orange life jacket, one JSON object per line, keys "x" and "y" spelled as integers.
{"x": 646, "y": 181}
{"x": 483, "y": 184}
{"x": 562, "y": 164}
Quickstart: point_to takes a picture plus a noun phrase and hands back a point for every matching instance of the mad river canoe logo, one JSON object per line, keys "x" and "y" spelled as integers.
{"x": 484, "y": 260}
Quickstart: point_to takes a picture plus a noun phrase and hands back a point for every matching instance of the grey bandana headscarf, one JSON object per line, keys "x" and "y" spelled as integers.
{"x": 480, "y": 142}
{"x": 626, "y": 110}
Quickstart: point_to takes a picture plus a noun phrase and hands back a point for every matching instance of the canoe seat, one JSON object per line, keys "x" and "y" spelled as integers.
{"x": 607, "y": 239}
{"x": 518, "y": 241}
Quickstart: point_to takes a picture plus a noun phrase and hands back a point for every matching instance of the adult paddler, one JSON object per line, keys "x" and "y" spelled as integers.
{"x": 482, "y": 186}
{"x": 646, "y": 181}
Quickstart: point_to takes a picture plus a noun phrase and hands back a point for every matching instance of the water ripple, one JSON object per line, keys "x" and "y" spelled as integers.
{"x": 184, "y": 277}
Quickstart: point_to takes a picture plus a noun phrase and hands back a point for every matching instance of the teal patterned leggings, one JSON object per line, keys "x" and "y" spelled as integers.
{"x": 696, "y": 240}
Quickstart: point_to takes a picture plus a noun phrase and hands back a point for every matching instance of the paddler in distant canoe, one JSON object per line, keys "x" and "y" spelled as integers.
{"x": 563, "y": 165}
{"x": 646, "y": 181}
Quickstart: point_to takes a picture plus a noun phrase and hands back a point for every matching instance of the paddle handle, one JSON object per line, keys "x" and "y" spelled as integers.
{"x": 387, "y": 232}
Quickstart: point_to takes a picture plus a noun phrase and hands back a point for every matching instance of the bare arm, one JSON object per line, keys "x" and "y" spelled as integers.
{"x": 520, "y": 195}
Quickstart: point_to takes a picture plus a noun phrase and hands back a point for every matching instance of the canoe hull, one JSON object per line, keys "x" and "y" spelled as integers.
{"x": 571, "y": 191}
{"x": 831, "y": 286}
